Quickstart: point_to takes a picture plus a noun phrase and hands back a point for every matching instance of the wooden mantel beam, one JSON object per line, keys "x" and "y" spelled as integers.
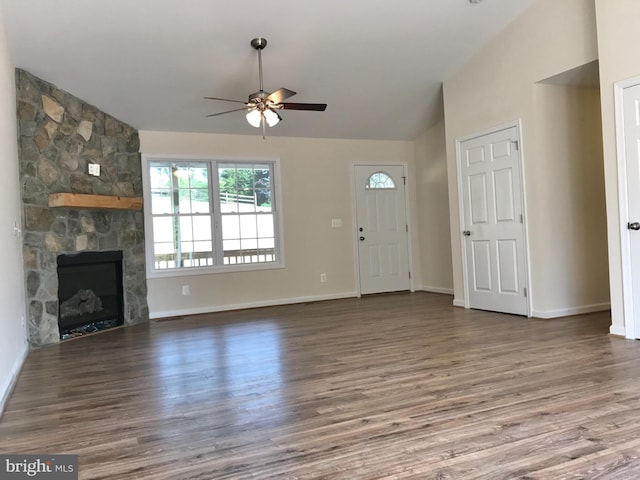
{"x": 107, "y": 202}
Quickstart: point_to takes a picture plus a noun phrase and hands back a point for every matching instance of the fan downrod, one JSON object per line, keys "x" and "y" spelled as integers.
{"x": 259, "y": 43}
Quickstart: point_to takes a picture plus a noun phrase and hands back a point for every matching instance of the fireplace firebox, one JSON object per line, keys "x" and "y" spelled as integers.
{"x": 90, "y": 292}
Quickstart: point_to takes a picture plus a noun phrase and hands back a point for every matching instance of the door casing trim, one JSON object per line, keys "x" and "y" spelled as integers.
{"x": 354, "y": 223}
{"x": 631, "y": 326}
{"x": 459, "y": 141}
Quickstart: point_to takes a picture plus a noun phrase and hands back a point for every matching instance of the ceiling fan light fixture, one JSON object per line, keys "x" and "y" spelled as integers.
{"x": 272, "y": 117}
{"x": 254, "y": 117}
{"x": 262, "y": 107}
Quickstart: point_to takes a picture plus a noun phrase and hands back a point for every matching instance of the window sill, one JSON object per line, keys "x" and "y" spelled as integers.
{"x": 190, "y": 272}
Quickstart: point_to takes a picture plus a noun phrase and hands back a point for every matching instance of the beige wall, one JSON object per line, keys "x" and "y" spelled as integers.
{"x": 311, "y": 170}
{"x": 436, "y": 274}
{"x": 13, "y": 337}
{"x": 619, "y": 60}
{"x": 574, "y": 252}
{"x": 498, "y": 85}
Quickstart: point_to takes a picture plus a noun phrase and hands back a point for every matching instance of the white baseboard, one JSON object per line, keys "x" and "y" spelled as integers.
{"x": 242, "y": 306}
{"x": 444, "y": 291}
{"x": 458, "y": 302}
{"x": 7, "y": 387}
{"x": 566, "y": 312}
{"x": 618, "y": 331}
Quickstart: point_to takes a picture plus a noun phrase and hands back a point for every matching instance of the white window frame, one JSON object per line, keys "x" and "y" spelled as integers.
{"x": 382, "y": 187}
{"x": 219, "y": 268}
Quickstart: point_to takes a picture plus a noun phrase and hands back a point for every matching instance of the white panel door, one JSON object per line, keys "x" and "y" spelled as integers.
{"x": 382, "y": 236}
{"x": 493, "y": 222}
{"x": 632, "y": 153}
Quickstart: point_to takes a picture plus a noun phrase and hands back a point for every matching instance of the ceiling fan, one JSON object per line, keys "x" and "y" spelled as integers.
{"x": 262, "y": 106}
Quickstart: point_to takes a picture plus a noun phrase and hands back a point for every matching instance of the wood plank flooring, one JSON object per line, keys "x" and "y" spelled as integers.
{"x": 384, "y": 387}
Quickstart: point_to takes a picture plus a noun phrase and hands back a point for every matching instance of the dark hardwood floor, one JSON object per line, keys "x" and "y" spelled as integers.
{"x": 391, "y": 386}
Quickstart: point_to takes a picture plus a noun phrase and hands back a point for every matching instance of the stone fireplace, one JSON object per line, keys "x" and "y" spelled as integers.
{"x": 59, "y": 136}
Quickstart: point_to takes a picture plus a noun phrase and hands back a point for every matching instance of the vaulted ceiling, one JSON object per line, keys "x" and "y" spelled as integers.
{"x": 378, "y": 64}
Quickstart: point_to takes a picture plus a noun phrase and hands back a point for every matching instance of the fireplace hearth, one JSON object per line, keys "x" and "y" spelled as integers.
{"x": 90, "y": 292}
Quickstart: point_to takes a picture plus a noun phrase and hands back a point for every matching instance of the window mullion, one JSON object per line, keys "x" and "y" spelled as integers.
{"x": 216, "y": 217}
{"x": 175, "y": 205}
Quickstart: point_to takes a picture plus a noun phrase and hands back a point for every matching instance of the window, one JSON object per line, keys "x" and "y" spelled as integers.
{"x": 379, "y": 180}
{"x": 208, "y": 214}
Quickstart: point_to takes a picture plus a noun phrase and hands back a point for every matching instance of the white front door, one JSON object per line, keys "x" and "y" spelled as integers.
{"x": 493, "y": 230}
{"x": 382, "y": 230}
{"x": 631, "y": 224}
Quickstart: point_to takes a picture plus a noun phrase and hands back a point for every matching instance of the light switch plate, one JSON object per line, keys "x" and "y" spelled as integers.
{"x": 94, "y": 169}
{"x": 336, "y": 223}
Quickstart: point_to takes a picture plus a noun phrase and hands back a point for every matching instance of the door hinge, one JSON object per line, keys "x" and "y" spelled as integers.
{"x": 404, "y": 180}
{"x": 516, "y": 144}
{"x": 409, "y": 274}
{"x": 407, "y": 227}
{"x": 521, "y": 218}
{"x": 525, "y": 292}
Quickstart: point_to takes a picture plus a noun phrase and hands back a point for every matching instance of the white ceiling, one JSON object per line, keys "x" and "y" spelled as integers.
{"x": 378, "y": 64}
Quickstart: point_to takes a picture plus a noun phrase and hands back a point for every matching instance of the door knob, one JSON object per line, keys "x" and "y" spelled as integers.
{"x": 633, "y": 226}
{"x": 362, "y": 239}
{"x": 466, "y": 233}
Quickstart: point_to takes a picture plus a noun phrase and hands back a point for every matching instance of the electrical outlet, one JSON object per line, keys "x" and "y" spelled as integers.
{"x": 186, "y": 290}
{"x": 323, "y": 278}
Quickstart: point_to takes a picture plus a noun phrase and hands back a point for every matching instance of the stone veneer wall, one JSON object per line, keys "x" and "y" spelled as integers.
{"x": 59, "y": 135}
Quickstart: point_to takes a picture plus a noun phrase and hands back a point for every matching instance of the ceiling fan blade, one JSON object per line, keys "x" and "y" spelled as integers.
{"x": 224, "y": 99}
{"x": 316, "y": 107}
{"x": 280, "y": 94}
{"x": 229, "y": 111}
